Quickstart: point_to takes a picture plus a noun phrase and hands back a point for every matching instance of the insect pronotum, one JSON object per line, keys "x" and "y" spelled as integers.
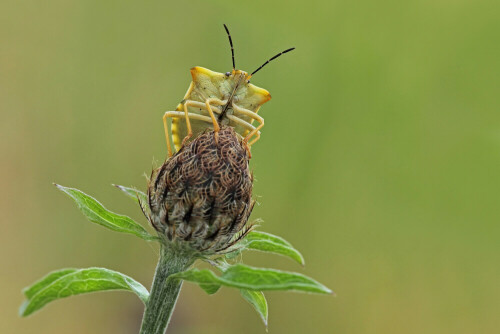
{"x": 214, "y": 99}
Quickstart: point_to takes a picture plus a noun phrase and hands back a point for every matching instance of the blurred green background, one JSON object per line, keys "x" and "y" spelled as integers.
{"x": 379, "y": 159}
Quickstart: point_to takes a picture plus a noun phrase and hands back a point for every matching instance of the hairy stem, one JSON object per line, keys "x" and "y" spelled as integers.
{"x": 164, "y": 291}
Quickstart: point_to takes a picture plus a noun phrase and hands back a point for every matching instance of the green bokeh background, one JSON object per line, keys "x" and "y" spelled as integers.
{"x": 380, "y": 158}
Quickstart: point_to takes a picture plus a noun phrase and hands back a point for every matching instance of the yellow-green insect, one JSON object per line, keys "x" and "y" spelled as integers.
{"x": 214, "y": 99}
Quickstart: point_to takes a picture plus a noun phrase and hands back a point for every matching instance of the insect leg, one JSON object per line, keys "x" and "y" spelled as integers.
{"x": 209, "y": 102}
{"x": 165, "y": 125}
{"x": 241, "y": 122}
{"x": 188, "y": 123}
{"x": 167, "y": 134}
{"x": 214, "y": 102}
{"x": 211, "y": 113}
{"x": 253, "y": 116}
{"x": 187, "y": 114}
{"x": 247, "y": 126}
{"x": 179, "y": 114}
{"x": 257, "y": 137}
{"x": 191, "y": 115}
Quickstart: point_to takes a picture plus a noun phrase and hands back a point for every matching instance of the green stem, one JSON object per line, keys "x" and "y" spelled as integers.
{"x": 164, "y": 291}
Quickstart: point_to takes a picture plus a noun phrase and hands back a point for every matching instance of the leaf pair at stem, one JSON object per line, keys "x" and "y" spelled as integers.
{"x": 250, "y": 281}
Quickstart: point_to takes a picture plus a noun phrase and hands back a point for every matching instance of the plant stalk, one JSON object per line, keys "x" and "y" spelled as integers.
{"x": 164, "y": 291}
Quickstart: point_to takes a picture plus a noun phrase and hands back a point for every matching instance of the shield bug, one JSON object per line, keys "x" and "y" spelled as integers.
{"x": 219, "y": 99}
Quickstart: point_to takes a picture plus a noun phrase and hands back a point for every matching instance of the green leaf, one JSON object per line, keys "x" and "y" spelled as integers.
{"x": 246, "y": 277}
{"x": 210, "y": 288}
{"x": 258, "y": 301}
{"x": 266, "y": 242}
{"x": 139, "y": 196}
{"x": 29, "y": 292}
{"x": 70, "y": 282}
{"x": 97, "y": 213}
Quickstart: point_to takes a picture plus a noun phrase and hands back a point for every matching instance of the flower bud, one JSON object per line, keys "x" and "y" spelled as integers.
{"x": 202, "y": 196}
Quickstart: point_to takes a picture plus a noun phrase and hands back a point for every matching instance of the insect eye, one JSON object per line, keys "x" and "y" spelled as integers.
{"x": 228, "y": 74}
{"x": 248, "y": 81}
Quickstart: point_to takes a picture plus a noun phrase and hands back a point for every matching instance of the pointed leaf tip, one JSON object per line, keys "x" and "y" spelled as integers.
{"x": 258, "y": 302}
{"x": 138, "y": 196}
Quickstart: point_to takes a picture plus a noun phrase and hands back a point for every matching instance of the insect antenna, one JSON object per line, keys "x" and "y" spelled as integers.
{"x": 231, "y": 43}
{"x": 279, "y": 54}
